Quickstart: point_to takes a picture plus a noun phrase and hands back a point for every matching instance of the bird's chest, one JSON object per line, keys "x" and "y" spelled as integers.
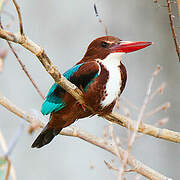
{"x": 104, "y": 90}
{"x": 112, "y": 85}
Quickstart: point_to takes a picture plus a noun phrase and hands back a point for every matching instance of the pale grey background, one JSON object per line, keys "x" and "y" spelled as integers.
{"x": 65, "y": 28}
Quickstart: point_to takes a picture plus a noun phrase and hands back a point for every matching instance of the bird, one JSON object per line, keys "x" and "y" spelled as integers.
{"x": 100, "y": 75}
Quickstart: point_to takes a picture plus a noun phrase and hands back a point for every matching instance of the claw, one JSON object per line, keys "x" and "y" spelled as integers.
{"x": 83, "y": 107}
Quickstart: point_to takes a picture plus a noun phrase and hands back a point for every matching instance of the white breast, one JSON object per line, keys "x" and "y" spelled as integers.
{"x": 113, "y": 85}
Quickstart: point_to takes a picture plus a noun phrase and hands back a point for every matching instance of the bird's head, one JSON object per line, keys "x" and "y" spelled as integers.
{"x": 101, "y": 47}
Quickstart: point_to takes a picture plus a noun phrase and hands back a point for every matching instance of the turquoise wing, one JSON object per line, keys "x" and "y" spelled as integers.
{"x": 52, "y": 102}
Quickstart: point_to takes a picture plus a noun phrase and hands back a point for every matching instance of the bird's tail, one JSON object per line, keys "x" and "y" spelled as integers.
{"x": 45, "y": 137}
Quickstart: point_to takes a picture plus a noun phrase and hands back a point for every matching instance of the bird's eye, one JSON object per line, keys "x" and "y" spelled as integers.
{"x": 104, "y": 44}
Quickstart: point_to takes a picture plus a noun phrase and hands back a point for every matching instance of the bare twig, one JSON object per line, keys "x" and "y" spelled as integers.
{"x": 160, "y": 89}
{"x": 114, "y": 143}
{"x": 100, "y": 20}
{"x": 172, "y": 28}
{"x": 111, "y": 166}
{"x": 159, "y": 108}
{"x": 14, "y": 140}
{"x": 129, "y": 103}
{"x": 161, "y": 122}
{"x": 126, "y": 111}
{"x": 19, "y": 17}
{"x": 8, "y": 169}
{"x": 24, "y": 68}
{"x": 139, "y": 121}
{"x": 138, "y": 166}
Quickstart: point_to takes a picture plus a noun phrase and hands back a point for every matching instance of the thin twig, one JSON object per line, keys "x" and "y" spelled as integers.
{"x": 14, "y": 140}
{"x": 111, "y": 166}
{"x": 114, "y": 143}
{"x": 25, "y": 71}
{"x": 172, "y": 28}
{"x": 19, "y": 17}
{"x": 161, "y": 122}
{"x": 100, "y": 20}
{"x": 139, "y": 121}
{"x": 159, "y": 108}
{"x": 23, "y": 67}
{"x": 129, "y": 103}
{"x": 160, "y": 89}
{"x": 8, "y": 169}
{"x": 125, "y": 110}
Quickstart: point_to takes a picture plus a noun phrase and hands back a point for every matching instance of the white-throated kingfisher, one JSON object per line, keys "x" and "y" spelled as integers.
{"x": 102, "y": 78}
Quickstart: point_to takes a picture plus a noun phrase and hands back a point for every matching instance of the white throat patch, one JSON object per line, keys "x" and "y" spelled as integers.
{"x": 112, "y": 63}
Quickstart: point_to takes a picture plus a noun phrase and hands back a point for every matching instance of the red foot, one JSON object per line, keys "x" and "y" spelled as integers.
{"x": 83, "y": 107}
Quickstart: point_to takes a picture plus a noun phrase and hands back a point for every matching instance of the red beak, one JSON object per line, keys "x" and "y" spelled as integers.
{"x": 129, "y": 46}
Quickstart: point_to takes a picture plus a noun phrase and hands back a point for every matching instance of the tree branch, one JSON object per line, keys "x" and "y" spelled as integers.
{"x": 137, "y": 166}
{"x": 172, "y": 28}
{"x": 19, "y": 16}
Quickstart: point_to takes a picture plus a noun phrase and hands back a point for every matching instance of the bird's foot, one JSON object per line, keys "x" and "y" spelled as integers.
{"x": 83, "y": 107}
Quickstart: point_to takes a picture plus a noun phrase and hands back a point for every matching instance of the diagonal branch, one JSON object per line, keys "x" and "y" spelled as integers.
{"x": 78, "y": 95}
{"x": 137, "y": 166}
{"x": 172, "y": 28}
{"x": 15, "y": 54}
{"x": 25, "y": 70}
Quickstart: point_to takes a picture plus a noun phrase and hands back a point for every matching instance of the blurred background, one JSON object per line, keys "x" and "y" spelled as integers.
{"x": 64, "y": 29}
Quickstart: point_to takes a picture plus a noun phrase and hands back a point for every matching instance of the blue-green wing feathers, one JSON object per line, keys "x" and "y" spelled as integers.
{"x": 52, "y": 102}
{"x": 82, "y": 75}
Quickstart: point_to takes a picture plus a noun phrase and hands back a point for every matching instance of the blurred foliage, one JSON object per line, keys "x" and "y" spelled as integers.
{"x": 2, "y": 168}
